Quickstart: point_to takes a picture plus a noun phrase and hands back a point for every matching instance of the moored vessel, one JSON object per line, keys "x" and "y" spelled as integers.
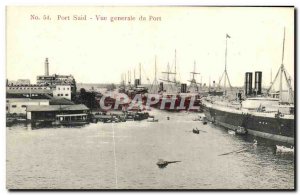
{"x": 269, "y": 115}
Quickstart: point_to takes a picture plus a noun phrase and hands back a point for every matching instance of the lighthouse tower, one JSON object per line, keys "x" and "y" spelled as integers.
{"x": 46, "y": 67}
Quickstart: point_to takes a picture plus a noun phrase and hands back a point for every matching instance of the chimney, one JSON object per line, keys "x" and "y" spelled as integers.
{"x": 258, "y": 80}
{"x": 161, "y": 86}
{"x": 248, "y": 83}
{"x": 137, "y": 82}
{"x": 183, "y": 88}
{"x": 46, "y": 67}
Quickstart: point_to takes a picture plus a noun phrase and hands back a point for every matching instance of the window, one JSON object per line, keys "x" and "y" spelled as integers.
{"x": 58, "y": 94}
{"x": 23, "y": 106}
{"x": 67, "y": 88}
{"x": 67, "y": 94}
{"x": 14, "y": 106}
{"x": 61, "y": 94}
{"x": 58, "y": 88}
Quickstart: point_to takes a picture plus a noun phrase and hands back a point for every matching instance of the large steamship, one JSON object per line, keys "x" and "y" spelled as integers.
{"x": 269, "y": 115}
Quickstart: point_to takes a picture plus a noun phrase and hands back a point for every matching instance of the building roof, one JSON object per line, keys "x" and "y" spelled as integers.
{"x": 29, "y": 91}
{"x": 26, "y": 100}
{"x": 60, "y": 101}
{"x": 56, "y": 108}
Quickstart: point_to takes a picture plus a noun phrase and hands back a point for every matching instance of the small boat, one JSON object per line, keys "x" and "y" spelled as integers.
{"x": 10, "y": 121}
{"x": 196, "y": 131}
{"x": 162, "y": 163}
{"x": 107, "y": 121}
{"x": 122, "y": 119}
{"x": 241, "y": 130}
{"x": 198, "y": 119}
{"x": 231, "y": 132}
{"x": 152, "y": 120}
{"x": 94, "y": 120}
{"x": 116, "y": 120}
{"x": 283, "y": 149}
{"x": 140, "y": 116}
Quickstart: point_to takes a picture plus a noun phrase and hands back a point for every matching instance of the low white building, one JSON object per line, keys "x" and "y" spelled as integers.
{"x": 62, "y": 91}
{"x": 19, "y": 105}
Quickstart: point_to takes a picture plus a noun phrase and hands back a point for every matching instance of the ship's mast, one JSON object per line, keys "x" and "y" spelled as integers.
{"x": 155, "y": 70}
{"x": 175, "y": 68}
{"x": 209, "y": 84}
{"x": 194, "y": 70}
{"x": 201, "y": 81}
{"x": 193, "y": 81}
{"x": 282, "y": 67}
{"x": 129, "y": 78}
{"x": 282, "y": 73}
{"x": 271, "y": 78}
{"x": 124, "y": 75}
{"x": 168, "y": 72}
{"x": 154, "y": 86}
{"x": 140, "y": 73}
{"x": 225, "y": 73}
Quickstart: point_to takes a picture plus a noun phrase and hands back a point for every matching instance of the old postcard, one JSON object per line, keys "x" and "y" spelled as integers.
{"x": 158, "y": 97}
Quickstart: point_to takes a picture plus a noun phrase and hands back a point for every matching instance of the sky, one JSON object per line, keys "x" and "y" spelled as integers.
{"x": 101, "y": 51}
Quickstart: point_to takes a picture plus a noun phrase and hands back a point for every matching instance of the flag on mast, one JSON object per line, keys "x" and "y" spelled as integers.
{"x": 227, "y": 36}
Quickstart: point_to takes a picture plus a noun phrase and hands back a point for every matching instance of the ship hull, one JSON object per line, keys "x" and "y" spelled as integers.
{"x": 273, "y": 128}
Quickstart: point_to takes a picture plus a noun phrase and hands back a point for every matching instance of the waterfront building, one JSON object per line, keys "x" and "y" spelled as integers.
{"x": 50, "y": 112}
{"x": 19, "y": 105}
{"x": 28, "y": 91}
{"x": 58, "y": 86}
{"x": 62, "y": 91}
{"x": 54, "y": 80}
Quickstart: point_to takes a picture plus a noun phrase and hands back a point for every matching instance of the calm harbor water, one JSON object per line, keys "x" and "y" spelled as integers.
{"x": 124, "y": 156}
